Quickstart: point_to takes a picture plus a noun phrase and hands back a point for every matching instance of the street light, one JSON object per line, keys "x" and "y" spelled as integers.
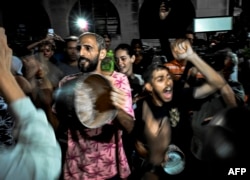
{"x": 82, "y": 24}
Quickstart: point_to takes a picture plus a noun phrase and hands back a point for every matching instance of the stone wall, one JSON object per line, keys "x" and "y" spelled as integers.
{"x": 58, "y": 11}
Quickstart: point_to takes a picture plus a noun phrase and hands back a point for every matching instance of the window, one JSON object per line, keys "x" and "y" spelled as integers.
{"x": 102, "y": 17}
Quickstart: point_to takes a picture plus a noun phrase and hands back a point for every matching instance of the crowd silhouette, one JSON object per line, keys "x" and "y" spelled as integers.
{"x": 64, "y": 117}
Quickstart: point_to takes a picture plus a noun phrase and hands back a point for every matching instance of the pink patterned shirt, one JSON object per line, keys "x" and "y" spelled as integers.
{"x": 92, "y": 160}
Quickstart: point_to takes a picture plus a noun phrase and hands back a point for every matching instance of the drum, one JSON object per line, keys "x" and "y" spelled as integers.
{"x": 175, "y": 163}
{"x": 88, "y": 99}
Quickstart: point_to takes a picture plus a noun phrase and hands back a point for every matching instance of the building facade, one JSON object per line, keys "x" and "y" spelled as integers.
{"x": 121, "y": 18}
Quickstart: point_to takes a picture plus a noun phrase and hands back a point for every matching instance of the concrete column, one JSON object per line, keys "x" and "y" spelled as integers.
{"x": 58, "y": 11}
{"x": 129, "y": 20}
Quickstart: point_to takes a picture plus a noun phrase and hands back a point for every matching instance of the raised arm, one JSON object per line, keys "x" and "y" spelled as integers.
{"x": 47, "y": 38}
{"x": 8, "y": 85}
{"x": 163, "y": 11}
{"x": 182, "y": 49}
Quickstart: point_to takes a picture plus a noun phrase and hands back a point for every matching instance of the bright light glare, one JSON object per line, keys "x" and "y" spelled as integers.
{"x": 82, "y": 23}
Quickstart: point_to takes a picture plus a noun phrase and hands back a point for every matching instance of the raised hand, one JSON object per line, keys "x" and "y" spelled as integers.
{"x": 57, "y": 37}
{"x": 163, "y": 11}
{"x": 5, "y": 53}
{"x": 118, "y": 98}
{"x": 9, "y": 88}
{"x": 181, "y": 49}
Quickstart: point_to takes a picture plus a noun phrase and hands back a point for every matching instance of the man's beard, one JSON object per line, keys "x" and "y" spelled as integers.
{"x": 92, "y": 65}
{"x": 157, "y": 95}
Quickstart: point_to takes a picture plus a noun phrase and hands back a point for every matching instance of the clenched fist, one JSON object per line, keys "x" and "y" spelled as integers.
{"x": 181, "y": 49}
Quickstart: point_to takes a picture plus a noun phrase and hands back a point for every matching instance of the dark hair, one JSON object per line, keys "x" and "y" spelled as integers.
{"x": 189, "y": 32}
{"x": 48, "y": 43}
{"x": 136, "y": 41}
{"x": 147, "y": 75}
{"x": 125, "y": 47}
{"x": 70, "y": 39}
{"x": 219, "y": 57}
{"x": 106, "y": 35}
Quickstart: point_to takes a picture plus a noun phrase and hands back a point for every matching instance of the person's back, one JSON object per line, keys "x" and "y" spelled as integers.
{"x": 7, "y": 120}
{"x": 36, "y": 154}
{"x": 6, "y": 125}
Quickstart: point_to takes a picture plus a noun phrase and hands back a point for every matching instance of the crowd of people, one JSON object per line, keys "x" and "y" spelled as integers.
{"x": 62, "y": 116}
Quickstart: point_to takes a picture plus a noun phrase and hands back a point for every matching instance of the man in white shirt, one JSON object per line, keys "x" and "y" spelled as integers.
{"x": 36, "y": 155}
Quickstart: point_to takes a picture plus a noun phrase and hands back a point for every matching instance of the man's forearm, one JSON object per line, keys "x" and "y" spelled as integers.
{"x": 228, "y": 96}
{"x": 212, "y": 77}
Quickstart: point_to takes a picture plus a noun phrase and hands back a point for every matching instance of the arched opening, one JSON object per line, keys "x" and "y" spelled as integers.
{"x": 149, "y": 19}
{"x": 180, "y": 18}
{"x": 101, "y": 16}
{"x": 24, "y": 22}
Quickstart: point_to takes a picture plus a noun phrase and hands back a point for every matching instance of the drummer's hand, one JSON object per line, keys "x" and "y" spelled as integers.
{"x": 118, "y": 98}
{"x": 65, "y": 79}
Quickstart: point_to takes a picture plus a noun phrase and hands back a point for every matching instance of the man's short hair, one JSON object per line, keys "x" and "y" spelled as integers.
{"x": 106, "y": 35}
{"x": 99, "y": 39}
{"x": 147, "y": 75}
{"x": 220, "y": 56}
{"x": 71, "y": 38}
